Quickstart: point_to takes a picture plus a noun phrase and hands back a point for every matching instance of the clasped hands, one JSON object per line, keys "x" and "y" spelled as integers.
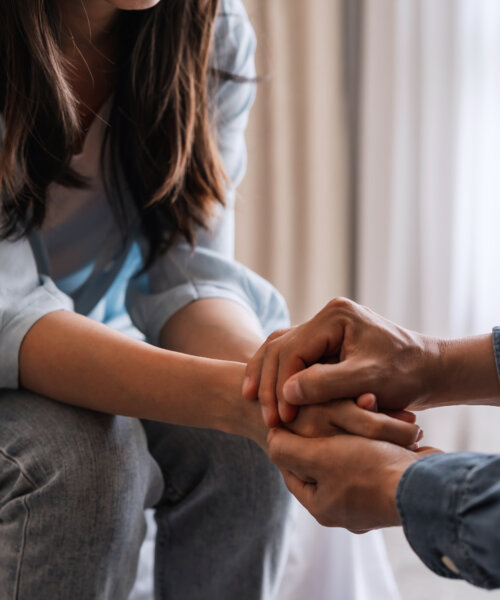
{"x": 343, "y": 458}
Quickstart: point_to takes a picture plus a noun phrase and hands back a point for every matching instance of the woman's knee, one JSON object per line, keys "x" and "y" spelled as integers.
{"x": 220, "y": 470}
{"x": 73, "y": 485}
{"x": 75, "y": 454}
{"x": 250, "y": 473}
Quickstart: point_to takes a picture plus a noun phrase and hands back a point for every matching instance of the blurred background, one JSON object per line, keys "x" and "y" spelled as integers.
{"x": 374, "y": 172}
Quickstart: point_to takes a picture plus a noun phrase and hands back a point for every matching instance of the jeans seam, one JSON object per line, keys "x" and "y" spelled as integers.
{"x": 24, "y": 536}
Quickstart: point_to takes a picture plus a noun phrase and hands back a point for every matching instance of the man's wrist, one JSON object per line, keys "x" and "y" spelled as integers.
{"x": 433, "y": 372}
{"x": 396, "y": 472}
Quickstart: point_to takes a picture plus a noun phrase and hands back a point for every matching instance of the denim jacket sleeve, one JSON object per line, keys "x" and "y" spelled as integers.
{"x": 25, "y": 297}
{"x": 209, "y": 270}
{"x": 450, "y": 509}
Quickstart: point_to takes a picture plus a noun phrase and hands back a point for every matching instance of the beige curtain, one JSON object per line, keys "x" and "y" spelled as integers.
{"x": 292, "y": 215}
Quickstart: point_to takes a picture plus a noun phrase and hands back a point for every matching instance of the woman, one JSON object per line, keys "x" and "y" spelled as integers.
{"x": 78, "y": 77}
{"x": 121, "y": 130}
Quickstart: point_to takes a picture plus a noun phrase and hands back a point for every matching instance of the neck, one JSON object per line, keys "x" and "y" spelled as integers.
{"x": 90, "y": 46}
{"x": 86, "y": 21}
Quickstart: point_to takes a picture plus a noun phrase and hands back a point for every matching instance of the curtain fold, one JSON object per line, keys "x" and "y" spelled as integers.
{"x": 293, "y": 208}
{"x": 409, "y": 162}
{"x": 429, "y": 209}
{"x": 429, "y": 205}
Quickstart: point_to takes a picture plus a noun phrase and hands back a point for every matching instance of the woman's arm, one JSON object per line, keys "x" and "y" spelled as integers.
{"x": 103, "y": 370}
{"x": 214, "y": 328}
{"x": 77, "y": 361}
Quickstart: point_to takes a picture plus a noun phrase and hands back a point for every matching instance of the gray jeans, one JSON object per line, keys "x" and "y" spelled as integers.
{"x": 73, "y": 488}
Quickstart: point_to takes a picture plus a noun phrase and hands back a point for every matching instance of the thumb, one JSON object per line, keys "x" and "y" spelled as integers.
{"x": 323, "y": 382}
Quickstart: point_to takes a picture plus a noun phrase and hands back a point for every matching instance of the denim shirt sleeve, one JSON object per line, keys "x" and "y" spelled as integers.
{"x": 184, "y": 274}
{"x": 25, "y": 297}
{"x": 496, "y": 348}
{"x": 449, "y": 505}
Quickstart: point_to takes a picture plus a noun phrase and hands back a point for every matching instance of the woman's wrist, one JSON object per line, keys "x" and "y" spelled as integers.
{"x": 237, "y": 415}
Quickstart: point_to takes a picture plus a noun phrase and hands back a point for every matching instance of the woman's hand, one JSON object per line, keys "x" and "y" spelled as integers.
{"x": 346, "y": 416}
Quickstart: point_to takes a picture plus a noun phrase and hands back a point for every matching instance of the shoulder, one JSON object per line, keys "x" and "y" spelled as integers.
{"x": 234, "y": 40}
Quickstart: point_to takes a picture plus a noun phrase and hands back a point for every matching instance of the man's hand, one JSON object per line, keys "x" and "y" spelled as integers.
{"x": 345, "y": 351}
{"x": 345, "y": 480}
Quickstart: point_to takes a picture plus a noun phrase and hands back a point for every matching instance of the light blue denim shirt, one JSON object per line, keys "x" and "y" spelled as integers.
{"x": 111, "y": 293}
{"x": 449, "y": 505}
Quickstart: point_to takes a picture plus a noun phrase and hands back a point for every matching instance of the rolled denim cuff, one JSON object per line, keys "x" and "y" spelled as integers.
{"x": 496, "y": 348}
{"x": 449, "y": 506}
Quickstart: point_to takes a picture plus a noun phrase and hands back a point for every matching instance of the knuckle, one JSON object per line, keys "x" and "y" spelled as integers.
{"x": 275, "y": 335}
{"x": 340, "y": 304}
{"x": 371, "y": 373}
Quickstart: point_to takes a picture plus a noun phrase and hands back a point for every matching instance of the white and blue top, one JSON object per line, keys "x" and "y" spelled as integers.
{"x": 79, "y": 260}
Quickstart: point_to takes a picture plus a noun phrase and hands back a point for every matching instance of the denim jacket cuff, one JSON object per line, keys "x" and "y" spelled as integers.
{"x": 496, "y": 348}
{"x": 441, "y": 500}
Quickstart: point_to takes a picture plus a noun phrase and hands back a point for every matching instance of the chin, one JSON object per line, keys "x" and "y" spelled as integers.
{"x": 134, "y": 4}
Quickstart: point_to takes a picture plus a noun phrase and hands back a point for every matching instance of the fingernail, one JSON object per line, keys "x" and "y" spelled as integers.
{"x": 247, "y": 383}
{"x": 292, "y": 392}
{"x": 420, "y": 434}
{"x": 266, "y": 413}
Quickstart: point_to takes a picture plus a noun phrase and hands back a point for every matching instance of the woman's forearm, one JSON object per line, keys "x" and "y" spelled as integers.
{"x": 77, "y": 361}
{"x": 214, "y": 328}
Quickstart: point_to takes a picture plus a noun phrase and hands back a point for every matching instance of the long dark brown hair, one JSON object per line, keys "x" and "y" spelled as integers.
{"x": 161, "y": 127}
